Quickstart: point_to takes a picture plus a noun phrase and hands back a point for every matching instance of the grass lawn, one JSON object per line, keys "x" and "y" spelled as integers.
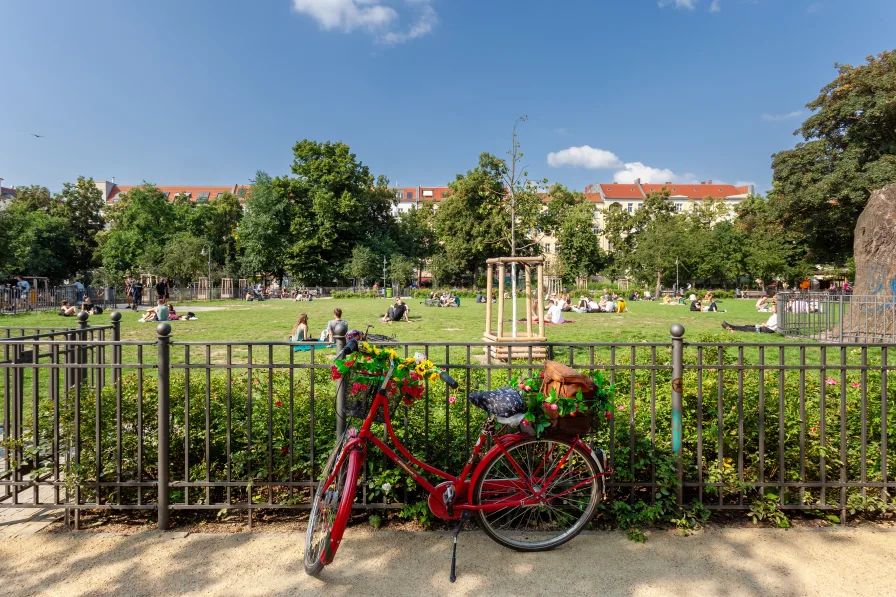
{"x": 273, "y": 320}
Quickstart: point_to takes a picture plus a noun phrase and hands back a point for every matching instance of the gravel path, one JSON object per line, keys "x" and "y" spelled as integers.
{"x": 729, "y": 562}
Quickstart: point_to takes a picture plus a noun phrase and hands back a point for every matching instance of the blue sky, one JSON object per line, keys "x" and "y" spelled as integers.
{"x": 208, "y": 92}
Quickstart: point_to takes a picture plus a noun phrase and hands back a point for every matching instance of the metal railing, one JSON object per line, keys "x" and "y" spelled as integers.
{"x": 837, "y": 317}
{"x": 97, "y": 423}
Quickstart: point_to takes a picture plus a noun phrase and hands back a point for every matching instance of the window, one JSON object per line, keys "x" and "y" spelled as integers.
{"x": 409, "y": 195}
{"x": 630, "y": 208}
{"x": 443, "y": 194}
{"x": 427, "y": 193}
{"x": 202, "y": 197}
{"x": 399, "y": 194}
{"x": 218, "y": 196}
{"x": 678, "y": 207}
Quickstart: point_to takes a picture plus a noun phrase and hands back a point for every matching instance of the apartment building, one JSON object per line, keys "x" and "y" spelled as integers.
{"x": 196, "y": 194}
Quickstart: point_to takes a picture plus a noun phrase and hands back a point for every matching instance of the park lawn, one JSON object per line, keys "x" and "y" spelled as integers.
{"x": 273, "y": 320}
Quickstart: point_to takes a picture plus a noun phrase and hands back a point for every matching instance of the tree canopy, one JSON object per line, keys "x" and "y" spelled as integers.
{"x": 848, "y": 150}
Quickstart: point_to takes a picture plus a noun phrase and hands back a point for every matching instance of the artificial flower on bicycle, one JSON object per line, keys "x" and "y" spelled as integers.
{"x": 370, "y": 364}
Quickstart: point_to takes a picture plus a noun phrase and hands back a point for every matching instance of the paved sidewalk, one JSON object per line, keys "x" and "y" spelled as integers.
{"x": 729, "y": 562}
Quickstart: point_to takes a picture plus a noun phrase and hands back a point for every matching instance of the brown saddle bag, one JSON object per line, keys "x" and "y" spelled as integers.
{"x": 566, "y": 381}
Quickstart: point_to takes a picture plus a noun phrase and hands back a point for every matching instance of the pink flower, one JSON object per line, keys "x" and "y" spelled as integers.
{"x": 452, "y": 399}
{"x": 620, "y": 407}
{"x": 856, "y": 384}
{"x": 278, "y": 404}
{"x": 830, "y": 381}
{"x": 527, "y": 388}
{"x": 552, "y": 406}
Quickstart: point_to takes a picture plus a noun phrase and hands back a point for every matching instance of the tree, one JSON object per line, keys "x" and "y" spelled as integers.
{"x": 81, "y": 205}
{"x": 263, "y": 238}
{"x": 183, "y": 257}
{"x": 578, "y": 247}
{"x": 34, "y": 242}
{"x": 363, "y": 265}
{"x": 140, "y": 225}
{"x": 402, "y": 269}
{"x": 659, "y": 244}
{"x": 35, "y": 198}
{"x": 471, "y": 223}
{"x": 849, "y": 149}
{"x": 338, "y": 205}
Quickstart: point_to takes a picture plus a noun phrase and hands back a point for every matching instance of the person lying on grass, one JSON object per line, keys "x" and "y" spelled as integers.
{"x": 769, "y": 327}
{"x": 396, "y": 312}
{"x": 67, "y": 311}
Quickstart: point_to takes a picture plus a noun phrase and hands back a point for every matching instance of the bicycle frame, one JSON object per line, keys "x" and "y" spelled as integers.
{"x": 462, "y": 483}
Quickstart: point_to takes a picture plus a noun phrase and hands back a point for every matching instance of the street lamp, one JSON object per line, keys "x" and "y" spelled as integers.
{"x": 207, "y": 250}
{"x": 677, "y": 285}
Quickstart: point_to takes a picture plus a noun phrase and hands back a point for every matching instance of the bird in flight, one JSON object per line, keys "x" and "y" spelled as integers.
{"x": 38, "y": 136}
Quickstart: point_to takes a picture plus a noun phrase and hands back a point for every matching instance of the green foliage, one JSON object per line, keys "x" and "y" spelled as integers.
{"x": 264, "y": 232}
{"x": 578, "y": 246}
{"x": 848, "y": 150}
{"x": 81, "y": 205}
{"x": 766, "y": 508}
{"x": 364, "y": 265}
{"x": 34, "y": 242}
{"x": 183, "y": 257}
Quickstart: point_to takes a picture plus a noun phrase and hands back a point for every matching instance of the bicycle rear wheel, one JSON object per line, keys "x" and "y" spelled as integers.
{"x": 331, "y": 508}
{"x": 566, "y": 474}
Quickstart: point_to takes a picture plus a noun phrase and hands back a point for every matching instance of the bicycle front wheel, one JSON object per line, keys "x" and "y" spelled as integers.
{"x": 331, "y": 507}
{"x": 563, "y": 473}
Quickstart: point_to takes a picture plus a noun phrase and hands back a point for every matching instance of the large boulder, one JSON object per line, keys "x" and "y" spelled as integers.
{"x": 872, "y": 318}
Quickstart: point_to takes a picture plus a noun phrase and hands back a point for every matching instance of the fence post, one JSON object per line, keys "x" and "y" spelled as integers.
{"x": 164, "y": 364}
{"x": 841, "y": 317}
{"x": 115, "y": 318}
{"x": 677, "y": 331}
{"x": 83, "y": 316}
{"x": 339, "y": 331}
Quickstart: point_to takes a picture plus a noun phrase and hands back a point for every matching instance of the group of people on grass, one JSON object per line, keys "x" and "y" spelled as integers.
{"x": 449, "y": 299}
{"x": 301, "y": 332}
{"x": 164, "y": 311}
{"x": 67, "y": 310}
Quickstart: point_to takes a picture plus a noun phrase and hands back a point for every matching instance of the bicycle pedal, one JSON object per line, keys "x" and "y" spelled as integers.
{"x": 448, "y": 498}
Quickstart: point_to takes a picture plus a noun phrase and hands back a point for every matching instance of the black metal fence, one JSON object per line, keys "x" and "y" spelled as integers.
{"x": 837, "y": 317}
{"x": 92, "y": 422}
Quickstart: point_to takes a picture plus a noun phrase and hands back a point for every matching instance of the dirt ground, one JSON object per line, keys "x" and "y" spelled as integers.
{"x": 730, "y": 562}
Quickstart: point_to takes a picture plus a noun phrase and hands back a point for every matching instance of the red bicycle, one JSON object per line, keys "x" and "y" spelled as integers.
{"x": 529, "y": 494}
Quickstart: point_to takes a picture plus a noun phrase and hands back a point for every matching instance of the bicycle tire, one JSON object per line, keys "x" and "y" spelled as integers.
{"x": 325, "y": 509}
{"x": 537, "y": 531}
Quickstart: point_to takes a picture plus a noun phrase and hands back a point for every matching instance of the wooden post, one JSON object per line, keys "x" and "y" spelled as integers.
{"x": 540, "y": 301}
{"x": 529, "y": 300}
{"x": 500, "y": 331}
{"x": 488, "y": 299}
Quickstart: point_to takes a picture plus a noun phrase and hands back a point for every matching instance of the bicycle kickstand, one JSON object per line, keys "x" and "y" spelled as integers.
{"x": 464, "y": 517}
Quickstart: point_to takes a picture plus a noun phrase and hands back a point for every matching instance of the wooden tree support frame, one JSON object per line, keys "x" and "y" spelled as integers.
{"x": 523, "y": 338}
{"x": 226, "y": 288}
{"x": 202, "y": 290}
{"x": 243, "y": 287}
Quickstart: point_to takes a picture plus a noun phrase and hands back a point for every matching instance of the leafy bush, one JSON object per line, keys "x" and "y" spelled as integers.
{"x": 350, "y": 294}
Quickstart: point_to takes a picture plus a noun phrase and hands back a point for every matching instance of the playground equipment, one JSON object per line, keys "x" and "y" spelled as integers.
{"x": 226, "y": 288}
{"x": 518, "y": 344}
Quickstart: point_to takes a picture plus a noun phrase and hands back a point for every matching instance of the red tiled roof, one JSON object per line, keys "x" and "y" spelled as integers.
{"x": 697, "y": 191}
{"x": 7, "y": 191}
{"x": 621, "y": 191}
{"x": 593, "y": 197}
{"x": 174, "y": 191}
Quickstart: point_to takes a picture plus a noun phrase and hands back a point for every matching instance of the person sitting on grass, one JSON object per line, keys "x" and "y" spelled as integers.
{"x": 769, "y": 327}
{"x": 88, "y": 306}
{"x": 555, "y": 313}
{"x": 67, "y": 311}
{"x": 696, "y": 305}
{"x": 331, "y": 325}
{"x": 396, "y": 312}
{"x": 299, "y": 331}
{"x": 709, "y": 303}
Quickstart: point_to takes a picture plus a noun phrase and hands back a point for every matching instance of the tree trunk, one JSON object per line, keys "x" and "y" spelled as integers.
{"x": 872, "y": 307}
{"x": 659, "y": 285}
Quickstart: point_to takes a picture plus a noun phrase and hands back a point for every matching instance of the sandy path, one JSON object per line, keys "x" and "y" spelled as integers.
{"x": 728, "y": 562}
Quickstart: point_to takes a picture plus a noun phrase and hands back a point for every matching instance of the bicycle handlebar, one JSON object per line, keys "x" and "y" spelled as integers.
{"x": 448, "y": 380}
{"x": 350, "y": 347}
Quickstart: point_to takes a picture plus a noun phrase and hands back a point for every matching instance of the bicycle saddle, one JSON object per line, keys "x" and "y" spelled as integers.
{"x": 502, "y": 402}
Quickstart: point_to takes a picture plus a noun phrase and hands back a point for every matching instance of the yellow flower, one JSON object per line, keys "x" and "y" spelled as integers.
{"x": 421, "y": 370}
{"x": 391, "y": 354}
{"x": 365, "y": 346}
{"x": 401, "y": 366}
{"x": 434, "y": 377}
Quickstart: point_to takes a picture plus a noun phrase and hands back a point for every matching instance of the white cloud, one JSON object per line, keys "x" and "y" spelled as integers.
{"x": 780, "y": 117}
{"x": 374, "y": 16}
{"x": 424, "y": 24}
{"x": 688, "y": 4}
{"x": 585, "y": 157}
{"x": 649, "y": 175}
{"x": 714, "y": 6}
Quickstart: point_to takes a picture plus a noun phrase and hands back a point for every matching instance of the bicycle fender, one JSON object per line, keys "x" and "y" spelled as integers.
{"x": 504, "y": 440}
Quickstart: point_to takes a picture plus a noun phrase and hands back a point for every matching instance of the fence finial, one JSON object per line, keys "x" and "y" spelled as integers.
{"x": 677, "y": 330}
{"x": 115, "y": 316}
{"x": 163, "y": 329}
{"x": 83, "y": 316}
